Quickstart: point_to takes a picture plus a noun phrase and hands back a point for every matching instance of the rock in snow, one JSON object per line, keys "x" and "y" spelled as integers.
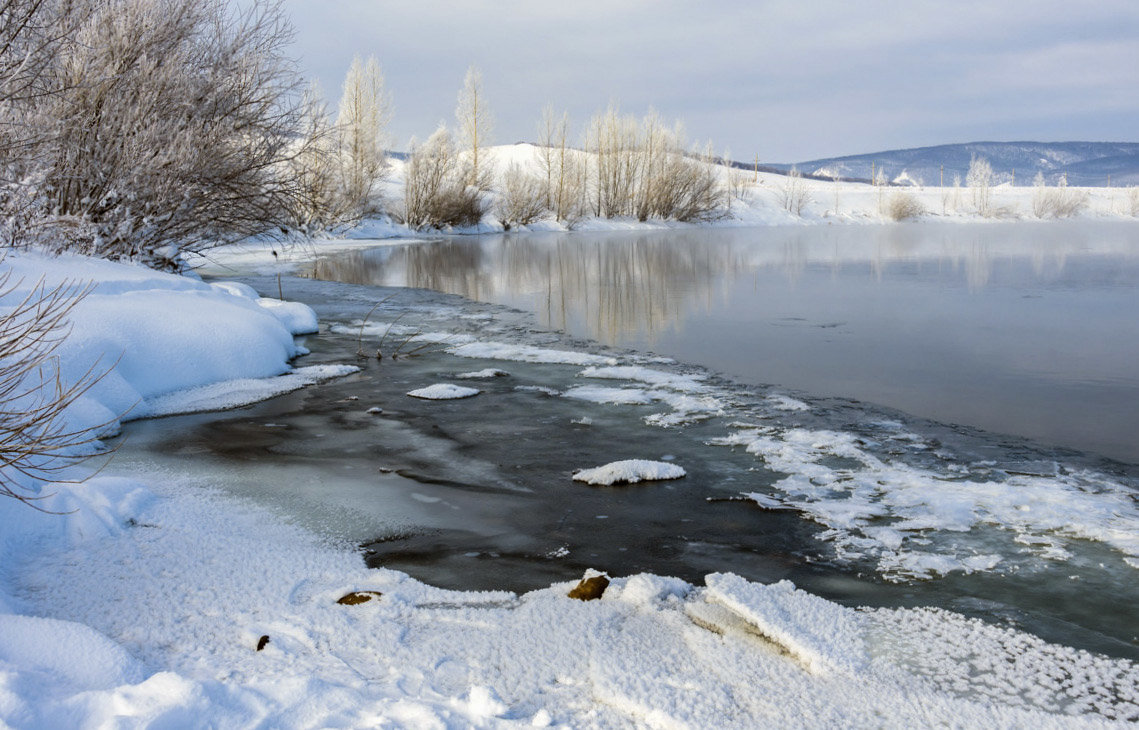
{"x": 629, "y": 471}
{"x": 444, "y": 391}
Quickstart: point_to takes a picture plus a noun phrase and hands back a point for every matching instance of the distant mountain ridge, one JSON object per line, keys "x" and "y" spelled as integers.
{"x": 1084, "y": 163}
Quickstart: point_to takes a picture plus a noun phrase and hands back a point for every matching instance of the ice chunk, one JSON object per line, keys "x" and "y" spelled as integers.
{"x": 444, "y": 391}
{"x": 629, "y": 471}
{"x": 483, "y": 374}
{"x": 824, "y": 636}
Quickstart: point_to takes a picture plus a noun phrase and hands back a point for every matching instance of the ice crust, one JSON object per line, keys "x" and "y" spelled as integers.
{"x": 629, "y": 471}
{"x": 444, "y": 391}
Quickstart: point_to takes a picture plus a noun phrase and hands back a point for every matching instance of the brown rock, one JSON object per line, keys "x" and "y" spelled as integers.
{"x": 357, "y": 597}
{"x": 590, "y": 588}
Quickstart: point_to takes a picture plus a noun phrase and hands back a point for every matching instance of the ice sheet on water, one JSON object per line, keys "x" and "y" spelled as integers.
{"x": 483, "y": 374}
{"x": 237, "y": 393}
{"x": 528, "y": 353}
{"x": 914, "y": 522}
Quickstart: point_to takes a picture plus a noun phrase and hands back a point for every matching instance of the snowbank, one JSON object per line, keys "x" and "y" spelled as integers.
{"x": 156, "y": 623}
{"x": 165, "y": 344}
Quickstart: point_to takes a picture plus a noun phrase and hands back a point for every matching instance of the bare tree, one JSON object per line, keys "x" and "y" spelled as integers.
{"x": 37, "y": 443}
{"x": 475, "y": 127}
{"x": 361, "y": 124}
{"x": 793, "y": 194}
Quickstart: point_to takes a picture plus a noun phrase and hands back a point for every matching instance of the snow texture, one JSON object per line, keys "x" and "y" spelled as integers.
{"x": 444, "y": 391}
{"x": 527, "y": 353}
{"x": 629, "y": 471}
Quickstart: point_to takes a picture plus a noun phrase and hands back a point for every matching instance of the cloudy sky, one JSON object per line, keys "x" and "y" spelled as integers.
{"x": 788, "y": 80}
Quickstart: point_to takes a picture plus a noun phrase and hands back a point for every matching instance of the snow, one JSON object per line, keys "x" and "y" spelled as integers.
{"x": 629, "y": 471}
{"x": 484, "y": 374}
{"x": 934, "y": 519}
{"x": 444, "y": 391}
{"x": 140, "y": 602}
{"x": 527, "y": 353}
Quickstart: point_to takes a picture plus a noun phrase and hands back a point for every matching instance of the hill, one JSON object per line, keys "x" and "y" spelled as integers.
{"x": 1084, "y": 163}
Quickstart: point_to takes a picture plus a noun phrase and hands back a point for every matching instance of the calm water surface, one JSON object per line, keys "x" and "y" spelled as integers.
{"x": 1025, "y": 329}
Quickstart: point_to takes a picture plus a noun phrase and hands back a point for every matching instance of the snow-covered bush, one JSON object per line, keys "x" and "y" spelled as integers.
{"x": 904, "y": 206}
{"x": 1057, "y": 202}
{"x": 435, "y": 194}
{"x": 163, "y": 125}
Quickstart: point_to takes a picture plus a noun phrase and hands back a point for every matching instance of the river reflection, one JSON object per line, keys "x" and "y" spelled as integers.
{"x": 1025, "y": 328}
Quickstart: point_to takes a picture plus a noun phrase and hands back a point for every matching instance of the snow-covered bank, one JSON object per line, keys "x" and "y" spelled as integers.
{"x": 146, "y": 606}
{"x": 163, "y": 343}
{"x": 155, "y": 619}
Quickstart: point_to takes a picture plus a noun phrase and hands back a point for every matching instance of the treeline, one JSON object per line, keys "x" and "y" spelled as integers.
{"x": 141, "y": 129}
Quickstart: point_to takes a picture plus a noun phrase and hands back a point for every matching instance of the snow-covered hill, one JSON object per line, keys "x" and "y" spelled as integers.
{"x": 1085, "y": 163}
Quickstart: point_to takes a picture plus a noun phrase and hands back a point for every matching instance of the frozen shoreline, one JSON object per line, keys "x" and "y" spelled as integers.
{"x": 168, "y": 585}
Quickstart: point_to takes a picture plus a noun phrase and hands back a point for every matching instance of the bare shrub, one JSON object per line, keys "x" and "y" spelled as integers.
{"x": 163, "y": 125}
{"x": 435, "y": 194}
{"x": 1057, "y": 202}
{"x": 37, "y": 443}
{"x": 793, "y": 194}
{"x": 523, "y": 198}
{"x": 904, "y": 206}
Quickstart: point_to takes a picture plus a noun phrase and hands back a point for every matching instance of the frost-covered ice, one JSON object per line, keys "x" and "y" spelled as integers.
{"x": 444, "y": 391}
{"x": 528, "y": 353}
{"x": 657, "y": 378}
{"x": 484, "y": 374}
{"x": 916, "y": 523}
{"x": 621, "y": 396}
{"x": 629, "y": 471}
{"x": 239, "y": 392}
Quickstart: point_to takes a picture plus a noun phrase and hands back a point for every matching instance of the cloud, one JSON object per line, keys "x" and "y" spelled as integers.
{"x": 792, "y": 80}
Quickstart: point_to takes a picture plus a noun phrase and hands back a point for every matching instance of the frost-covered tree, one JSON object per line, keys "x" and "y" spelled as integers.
{"x": 979, "y": 178}
{"x": 361, "y": 126}
{"x": 167, "y": 125}
{"x": 436, "y": 193}
{"x": 475, "y": 126}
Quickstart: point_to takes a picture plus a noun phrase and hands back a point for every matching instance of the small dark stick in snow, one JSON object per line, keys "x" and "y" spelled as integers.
{"x": 262, "y": 642}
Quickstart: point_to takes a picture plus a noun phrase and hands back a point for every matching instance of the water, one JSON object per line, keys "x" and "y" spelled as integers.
{"x": 1025, "y": 329}
{"x": 477, "y": 494}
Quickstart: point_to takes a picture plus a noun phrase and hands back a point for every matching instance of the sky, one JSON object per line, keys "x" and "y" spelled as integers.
{"x": 787, "y": 80}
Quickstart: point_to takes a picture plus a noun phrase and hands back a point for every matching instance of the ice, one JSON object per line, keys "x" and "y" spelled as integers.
{"x": 619, "y": 396}
{"x": 958, "y": 515}
{"x": 484, "y": 374}
{"x": 528, "y": 353}
{"x": 824, "y": 636}
{"x": 657, "y": 378}
{"x": 444, "y": 391}
{"x": 239, "y": 392}
{"x": 629, "y": 471}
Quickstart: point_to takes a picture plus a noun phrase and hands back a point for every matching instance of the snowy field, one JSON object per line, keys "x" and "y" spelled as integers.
{"x": 144, "y": 603}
